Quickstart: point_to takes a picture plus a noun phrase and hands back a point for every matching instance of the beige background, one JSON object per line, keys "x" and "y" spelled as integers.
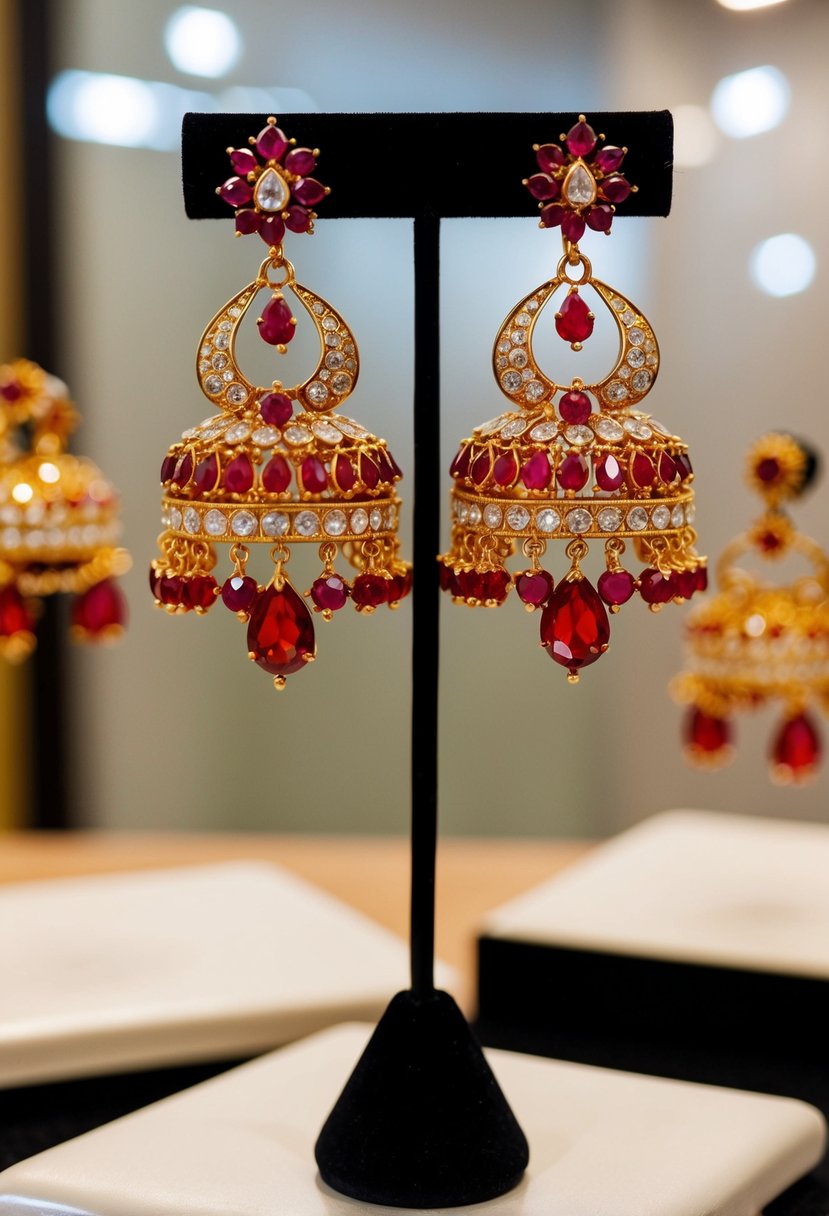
{"x": 174, "y": 727}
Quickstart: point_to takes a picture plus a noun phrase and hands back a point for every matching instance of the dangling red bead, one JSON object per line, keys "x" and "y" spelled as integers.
{"x": 575, "y": 630}
{"x": 280, "y": 631}
{"x": 707, "y": 738}
{"x": 99, "y": 610}
{"x": 796, "y": 750}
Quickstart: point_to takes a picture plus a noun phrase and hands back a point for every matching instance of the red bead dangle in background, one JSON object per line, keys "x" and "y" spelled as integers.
{"x": 573, "y": 462}
{"x": 276, "y": 465}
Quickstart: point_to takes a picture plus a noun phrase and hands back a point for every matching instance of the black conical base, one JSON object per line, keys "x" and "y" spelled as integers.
{"x": 422, "y": 1122}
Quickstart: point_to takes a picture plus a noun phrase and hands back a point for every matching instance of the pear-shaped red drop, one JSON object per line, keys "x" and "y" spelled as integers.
{"x": 575, "y": 630}
{"x": 280, "y": 631}
{"x": 574, "y": 322}
{"x": 796, "y": 750}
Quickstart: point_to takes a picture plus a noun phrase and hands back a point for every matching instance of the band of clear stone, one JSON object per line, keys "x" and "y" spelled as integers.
{"x": 290, "y": 521}
{"x": 566, "y": 517}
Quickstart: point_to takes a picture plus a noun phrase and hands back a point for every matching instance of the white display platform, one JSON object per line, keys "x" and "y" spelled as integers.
{"x": 106, "y": 974}
{"x": 691, "y": 886}
{"x": 602, "y": 1143}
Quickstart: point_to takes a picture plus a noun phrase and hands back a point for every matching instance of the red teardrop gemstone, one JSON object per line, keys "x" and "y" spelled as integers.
{"x": 236, "y": 191}
{"x": 505, "y": 469}
{"x": 276, "y": 409}
{"x": 14, "y": 615}
{"x": 549, "y": 156}
{"x": 168, "y": 467}
{"x": 667, "y": 468}
{"x": 329, "y": 593}
{"x": 207, "y": 473}
{"x": 572, "y": 472}
{"x": 543, "y": 187}
{"x": 599, "y": 217}
{"x": 155, "y": 579}
{"x": 369, "y": 472}
{"x": 243, "y": 161}
{"x": 386, "y": 465}
{"x": 580, "y": 139}
{"x": 575, "y": 407}
{"x": 575, "y": 630}
{"x": 796, "y": 750}
{"x": 616, "y": 587}
{"x": 536, "y": 472}
{"x": 574, "y": 323}
{"x": 460, "y": 465}
{"x": 247, "y": 221}
{"x": 609, "y": 474}
{"x": 280, "y": 631}
{"x": 608, "y": 158}
{"x": 314, "y": 476}
{"x": 615, "y": 189}
{"x": 344, "y": 474}
{"x": 308, "y": 191}
{"x": 401, "y": 586}
{"x": 99, "y": 609}
{"x": 184, "y": 469}
{"x": 706, "y": 736}
{"x": 480, "y": 467}
{"x": 238, "y": 476}
{"x": 702, "y": 578}
{"x": 276, "y": 475}
{"x": 552, "y": 215}
{"x": 572, "y": 226}
{"x": 534, "y": 587}
{"x": 238, "y": 592}
{"x": 683, "y": 464}
{"x": 271, "y": 143}
{"x": 297, "y": 219}
{"x": 271, "y": 228}
{"x": 300, "y": 161}
{"x": 470, "y": 584}
{"x": 276, "y": 325}
{"x": 641, "y": 470}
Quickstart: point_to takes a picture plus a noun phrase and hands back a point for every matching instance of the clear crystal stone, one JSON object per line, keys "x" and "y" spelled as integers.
{"x": 617, "y": 391}
{"x": 341, "y": 383}
{"x": 297, "y": 435}
{"x": 518, "y": 518}
{"x": 637, "y": 428}
{"x": 544, "y": 431}
{"x": 661, "y": 517}
{"x": 225, "y": 326}
{"x": 271, "y": 192}
{"x": 579, "y": 186}
{"x": 359, "y": 521}
{"x": 192, "y": 520}
{"x": 650, "y": 344}
{"x": 523, "y": 318}
{"x": 375, "y": 519}
{"x": 535, "y": 390}
{"x": 511, "y": 381}
{"x": 652, "y": 360}
{"x": 204, "y": 366}
{"x": 221, "y": 341}
{"x": 190, "y": 433}
{"x": 579, "y": 434}
{"x": 213, "y": 385}
{"x": 334, "y": 359}
{"x": 519, "y": 336}
{"x": 532, "y": 306}
{"x": 391, "y": 517}
{"x": 579, "y": 520}
{"x": 234, "y": 312}
{"x": 318, "y": 307}
{"x": 335, "y": 523}
{"x": 527, "y": 373}
{"x": 660, "y": 427}
{"x": 316, "y": 392}
{"x": 503, "y": 346}
{"x": 325, "y": 431}
{"x": 275, "y": 524}
{"x": 330, "y": 323}
{"x": 513, "y": 428}
{"x": 502, "y": 361}
{"x": 519, "y": 357}
{"x": 349, "y": 427}
{"x": 175, "y": 518}
{"x": 489, "y": 428}
{"x": 307, "y": 523}
{"x": 474, "y": 516}
{"x": 678, "y": 516}
{"x": 206, "y": 350}
{"x": 690, "y": 513}
{"x": 264, "y": 436}
{"x": 609, "y": 519}
{"x": 642, "y": 380}
{"x": 237, "y": 394}
{"x": 493, "y": 515}
{"x": 237, "y": 432}
{"x": 227, "y": 376}
{"x": 628, "y": 317}
{"x": 624, "y": 372}
{"x": 547, "y": 520}
{"x": 636, "y": 357}
{"x": 463, "y": 512}
{"x": 636, "y": 336}
{"x": 351, "y": 364}
{"x": 617, "y": 304}
{"x": 325, "y": 375}
{"x": 219, "y": 361}
{"x": 215, "y": 523}
{"x": 243, "y": 523}
{"x": 637, "y": 519}
{"x": 349, "y": 348}
{"x": 333, "y": 340}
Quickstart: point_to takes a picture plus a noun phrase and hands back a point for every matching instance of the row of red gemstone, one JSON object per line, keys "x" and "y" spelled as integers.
{"x": 795, "y": 750}
{"x": 100, "y": 608}
{"x": 536, "y": 586}
{"x": 239, "y": 474}
{"x": 502, "y": 467}
{"x": 239, "y": 592}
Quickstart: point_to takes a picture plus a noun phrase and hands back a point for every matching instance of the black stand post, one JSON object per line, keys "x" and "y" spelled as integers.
{"x": 422, "y": 1122}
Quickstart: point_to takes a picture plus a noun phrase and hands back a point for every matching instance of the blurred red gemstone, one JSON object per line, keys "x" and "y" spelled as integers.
{"x": 572, "y": 227}
{"x": 247, "y": 221}
{"x": 702, "y": 578}
{"x": 616, "y": 586}
{"x": 534, "y": 587}
{"x": 402, "y": 584}
{"x": 581, "y": 139}
{"x": 655, "y": 587}
{"x": 201, "y": 591}
{"x": 609, "y": 475}
{"x": 207, "y": 474}
{"x": 329, "y": 593}
{"x": 667, "y": 468}
{"x": 599, "y": 217}
{"x": 154, "y": 578}
{"x": 370, "y": 590}
{"x": 344, "y": 474}
{"x": 445, "y": 575}
{"x": 574, "y": 322}
{"x": 575, "y": 407}
{"x": 796, "y": 749}
{"x": 385, "y": 465}
{"x": 572, "y": 472}
{"x": 683, "y": 464}
{"x": 549, "y": 156}
{"x": 236, "y": 191}
{"x": 470, "y": 584}
{"x": 238, "y": 475}
{"x": 685, "y": 583}
{"x": 300, "y": 161}
{"x": 272, "y": 230}
{"x": 239, "y": 592}
{"x": 615, "y": 189}
{"x": 99, "y": 609}
{"x": 481, "y": 466}
{"x": 243, "y": 161}
{"x": 313, "y": 474}
{"x": 184, "y": 469}
{"x": 536, "y": 472}
{"x": 768, "y": 470}
{"x": 297, "y": 219}
{"x": 460, "y": 465}
{"x": 505, "y": 469}
{"x": 706, "y": 734}
{"x": 171, "y": 589}
{"x": 276, "y": 409}
{"x": 369, "y": 472}
{"x": 271, "y": 143}
{"x": 15, "y": 617}
{"x": 280, "y": 631}
{"x": 543, "y": 187}
{"x": 276, "y": 325}
{"x": 575, "y": 630}
{"x": 608, "y": 158}
{"x": 307, "y": 191}
{"x": 276, "y": 475}
{"x": 552, "y": 215}
{"x": 168, "y": 467}
{"x": 641, "y": 470}
{"x": 496, "y": 584}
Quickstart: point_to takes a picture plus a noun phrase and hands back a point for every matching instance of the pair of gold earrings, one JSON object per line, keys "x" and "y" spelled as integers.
{"x": 567, "y": 462}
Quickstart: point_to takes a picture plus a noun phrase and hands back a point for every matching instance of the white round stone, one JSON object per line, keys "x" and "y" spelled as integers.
{"x": 511, "y": 381}
{"x": 237, "y": 432}
{"x": 342, "y": 383}
{"x": 359, "y": 521}
{"x": 544, "y": 431}
{"x": 376, "y": 519}
{"x": 297, "y": 435}
{"x": 519, "y": 357}
{"x": 518, "y": 518}
{"x": 192, "y": 520}
{"x": 175, "y": 519}
{"x": 579, "y": 435}
{"x": 219, "y": 361}
{"x": 523, "y": 318}
{"x": 518, "y": 336}
{"x": 637, "y": 519}
{"x": 326, "y": 432}
{"x": 608, "y": 428}
{"x": 661, "y": 517}
{"x": 307, "y": 523}
{"x": 335, "y": 523}
{"x": 547, "y": 520}
{"x": 493, "y": 515}
{"x": 237, "y": 393}
{"x": 642, "y": 380}
{"x": 265, "y": 436}
{"x": 330, "y": 323}
{"x": 215, "y": 523}
{"x": 616, "y": 391}
{"x": 316, "y": 392}
{"x": 243, "y": 523}
{"x": 535, "y": 390}
{"x": 578, "y": 520}
{"x": 609, "y": 519}
{"x": 678, "y": 516}
{"x": 474, "y": 517}
{"x": 636, "y": 357}
{"x": 690, "y": 513}
{"x": 213, "y": 385}
{"x": 275, "y": 524}
{"x": 463, "y": 512}
{"x": 333, "y": 340}
{"x": 221, "y": 341}
{"x": 628, "y": 317}
{"x": 503, "y": 346}
{"x": 636, "y": 336}
{"x": 334, "y": 360}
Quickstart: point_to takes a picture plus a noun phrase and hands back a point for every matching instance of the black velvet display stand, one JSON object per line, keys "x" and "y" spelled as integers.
{"x": 422, "y": 1122}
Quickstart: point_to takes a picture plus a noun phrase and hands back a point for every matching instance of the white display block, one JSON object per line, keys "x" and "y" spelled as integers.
{"x": 602, "y": 1143}
{"x": 107, "y": 974}
{"x": 694, "y": 887}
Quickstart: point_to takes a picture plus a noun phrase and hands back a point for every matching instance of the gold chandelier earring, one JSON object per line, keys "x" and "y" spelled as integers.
{"x": 758, "y": 643}
{"x": 276, "y": 464}
{"x": 574, "y": 462}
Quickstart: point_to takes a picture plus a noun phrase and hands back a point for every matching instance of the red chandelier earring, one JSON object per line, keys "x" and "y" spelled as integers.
{"x": 276, "y": 465}
{"x": 575, "y": 462}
